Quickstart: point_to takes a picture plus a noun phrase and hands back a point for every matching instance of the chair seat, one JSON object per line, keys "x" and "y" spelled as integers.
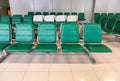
{"x": 46, "y": 48}
{"x": 72, "y": 48}
{"x": 97, "y": 48}
{"x": 20, "y": 48}
{"x": 3, "y": 46}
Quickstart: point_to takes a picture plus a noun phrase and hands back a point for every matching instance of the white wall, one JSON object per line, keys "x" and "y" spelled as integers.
{"x": 107, "y": 6}
{"x": 24, "y": 6}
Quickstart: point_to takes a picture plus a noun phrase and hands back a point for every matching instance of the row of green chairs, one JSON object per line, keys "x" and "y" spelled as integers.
{"x": 112, "y": 26}
{"x": 46, "y": 38}
{"x": 98, "y": 17}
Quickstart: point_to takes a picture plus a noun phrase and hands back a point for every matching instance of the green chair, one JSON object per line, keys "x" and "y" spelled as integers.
{"x": 110, "y": 25}
{"x": 46, "y": 38}
{"x": 116, "y": 30}
{"x": 5, "y": 36}
{"x": 111, "y": 15}
{"x": 59, "y": 13}
{"x": 73, "y": 13}
{"x": 52, "y": 13}
{"x": 67, "y": 13}
{"x": 38, "y": 13}
{"x": 31, "y": 13}
{"x": 45, "y": 13}
{"x": 24, "y": 38}
{"x": 69, "y": 34}
{"x": 5, "y": 19}
{"x": 117, "y": 15}
{"x": 97, "y": 17}
{"x": 16, "y": 19}
{"x": 28, "y": 19}
{"x": 104, "y": 21}
{"x": 81, "y": 16}
{"x": 102, "y": 16}
{"x": 93, "y": 38}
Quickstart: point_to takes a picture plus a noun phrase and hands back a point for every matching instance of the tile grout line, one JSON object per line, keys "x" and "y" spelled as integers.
{"x": 25, "y": 72}
{"x": 49, "y": 69}
{"x": 71, "y": 68}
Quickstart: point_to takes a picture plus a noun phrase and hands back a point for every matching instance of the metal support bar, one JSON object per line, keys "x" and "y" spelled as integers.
{"x": 4, "y": 56}
{"x": 90, "y": 56}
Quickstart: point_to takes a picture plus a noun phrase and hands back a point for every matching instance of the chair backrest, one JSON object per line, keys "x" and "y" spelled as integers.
{"x": 81, "y": 16}
{"x": 73, "y": 13}
{"x": 28, "y": 19}
{"x": 52, "y": 13}
{"x": 66, "y": 13}
{"x": 72, "y": 18}
{"x": 60, "y": 18}
{"x": 31, "y": 13}
{"x": 117, "y": 15}
{"x": 49, "y": 18}
{"x": 92, "y": 33}
{"x": 5, "y": 19}
{"x": 111, "y": 15}
{"x": 16, "y": 19}
{"x": 111, "y": 23}
{"x": 38, "y": 18}
{"x": 47, "y": 33}
{"x": 38, "y": 13}
{"x": 97, "y": 17}
{"x": 69, "y": 33}
{"x": 45, "y": 13}
{"x": 117, "y": 27}
{"x": 104, "y": 21}
{"x": 24, "y": 33}
{"x": 5, "y": 33}
{"x": 59, "y": 13}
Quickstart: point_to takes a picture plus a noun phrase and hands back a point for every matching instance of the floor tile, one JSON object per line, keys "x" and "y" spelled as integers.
{"x": 60, "y": 76}
{"x": 38, "y": 67}
{"x": 80, "y": 67}
{"x": 17, "y": 67}
{"x": 36, "y": 76}
{"x": 60, "y": 67}
{"x": 85, "y": 76}
{"x": 108, "y": 76}
{"x": 11, "y": 76}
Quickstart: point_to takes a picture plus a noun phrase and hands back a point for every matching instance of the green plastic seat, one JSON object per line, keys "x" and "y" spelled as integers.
{"x": 38, "y": 13}
{"x": 104, "y": 21}
{"x": 31, "y": 13}
{"x": 73, "y": 13}
{"x": 111, "y": 15}
{"x": 52, "y": 13}
{"x": 5, "y": 36}
{"x": 93, "y": 38}
{"x": 97, "y": 17}
{"x": 110, "y": 25}
{"x": 102, "y": 16}
{"x": 81, "y": 16}
{"x": 24, "y": 38}
{"x": 28, "y": 19}
{"x": 16, "y": 19}
{"x": 5, "y": 19}
{"x": 59, "y": 13}
{"x": 117, "y": 15}
{"x": 116, "y": 30}
{"x": 67, "y": 13}
{"x": 46, "y": 38}
{"x": 69, "y": 35}
{"x": 45, "y": 13}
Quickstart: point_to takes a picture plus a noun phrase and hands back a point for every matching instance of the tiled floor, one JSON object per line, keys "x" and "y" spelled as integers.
{"x": 62, "y": 67}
